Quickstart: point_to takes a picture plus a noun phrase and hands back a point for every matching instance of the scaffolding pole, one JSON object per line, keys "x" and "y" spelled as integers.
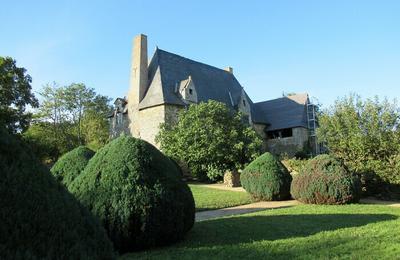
{"x": 312, "y": 126}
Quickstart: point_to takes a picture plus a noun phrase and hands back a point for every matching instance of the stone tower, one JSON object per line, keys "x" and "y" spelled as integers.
{"x": 138, "y": 82}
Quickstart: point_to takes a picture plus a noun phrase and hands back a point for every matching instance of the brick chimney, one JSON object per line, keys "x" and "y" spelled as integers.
{"x": 229, "y": 69}
{"x": 138, "y": 80}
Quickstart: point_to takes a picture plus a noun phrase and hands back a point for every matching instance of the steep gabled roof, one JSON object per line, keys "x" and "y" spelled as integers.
{"x": 167, "y": 70}
{"x": 284, "y": 112}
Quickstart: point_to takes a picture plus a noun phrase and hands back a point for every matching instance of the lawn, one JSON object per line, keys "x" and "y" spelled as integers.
{"x": 302, "y": 232}
{"x": 209, "y": 198}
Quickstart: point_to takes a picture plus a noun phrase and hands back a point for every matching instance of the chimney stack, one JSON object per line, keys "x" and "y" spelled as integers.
{"x": 229, "y": 69}
{"x": 139, "y": 74}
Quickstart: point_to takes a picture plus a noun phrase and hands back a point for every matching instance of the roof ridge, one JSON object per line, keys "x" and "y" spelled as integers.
{"x": 274, "y": 99}
{"x": 191, "y": 60}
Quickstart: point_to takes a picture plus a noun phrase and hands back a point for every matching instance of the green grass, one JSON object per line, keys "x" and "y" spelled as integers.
{"x": 209, "y": 198}
{"x": 301, "y": 232}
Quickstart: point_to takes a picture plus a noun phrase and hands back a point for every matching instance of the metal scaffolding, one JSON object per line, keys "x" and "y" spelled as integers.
{"x": 312, "y": 121}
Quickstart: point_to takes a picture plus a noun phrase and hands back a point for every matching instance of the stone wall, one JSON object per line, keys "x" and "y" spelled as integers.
{"x": 259, "y": 128}
{"x": 172, "y": 113}
{"x": 244, "y": 107}
{"x": 149, "y": 122}
{"x": 151, "y": 118}
{"x": 289, "y": 145}
{"x": 119, "y": 124}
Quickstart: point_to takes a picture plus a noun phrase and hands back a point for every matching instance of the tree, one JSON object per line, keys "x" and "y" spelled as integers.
{"x": 365, "y": 135}
{"x": 15, "y": 95}
{"x": 210, "y": 139}
{"x": 68, "y": 117}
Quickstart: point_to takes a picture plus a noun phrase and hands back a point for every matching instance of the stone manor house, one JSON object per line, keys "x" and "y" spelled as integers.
{"x": 168, "y": 83}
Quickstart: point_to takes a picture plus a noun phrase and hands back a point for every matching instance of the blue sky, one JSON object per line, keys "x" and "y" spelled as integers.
{"x": 325, "y": 48}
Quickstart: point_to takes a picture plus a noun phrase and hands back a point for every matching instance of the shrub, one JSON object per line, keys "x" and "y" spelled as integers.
{"x": 294, "y": 165}
{"x": 71, "y": 164}
{"x": 325, "y": 180}
{"x": 214, "y": 173}
{"x": 39, "y": 218}
{"x": 138, "y": 194}
{"x": 266, "y": 178}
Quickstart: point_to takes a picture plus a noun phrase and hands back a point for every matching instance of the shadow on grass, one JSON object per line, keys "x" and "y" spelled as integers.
{"x": 233, "y": 237}
{"x": 223, "y": 212}
{"x": 246, "y": 229}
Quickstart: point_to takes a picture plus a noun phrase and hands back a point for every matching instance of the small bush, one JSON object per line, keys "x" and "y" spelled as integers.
{"x": 215, "y": 173}
{"x": 137, "y": 193}
{"x": 266, "y": 179}
{"x": 39, "y": 218}
{"x": 71, "y": 164}
{"x": 325, "y": 180}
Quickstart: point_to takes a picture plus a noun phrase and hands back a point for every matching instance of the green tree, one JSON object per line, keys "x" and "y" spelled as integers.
{"x": 41, "y": 139}
{"x": 68, "y": 117}
{"x": 365, "y": 135}
{"x": 210, "y": 138}
{"x": 15, "y": 95}
{"x": 94, "y": 124}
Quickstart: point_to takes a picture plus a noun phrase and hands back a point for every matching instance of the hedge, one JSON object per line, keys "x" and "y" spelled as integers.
{"x": 266, "y": 178}
{"x": 71, "y": 164}
{"x": 138, "y": 194}
{"x": 39, "y": 218}
{"x": 325, "y": 180}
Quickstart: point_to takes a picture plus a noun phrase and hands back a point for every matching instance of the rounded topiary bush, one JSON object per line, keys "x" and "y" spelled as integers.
{"x": 39, "y": 218}
{"x": 266, "y": 178}
{"x": 138, "y": 194}
{"x": 325, "y": 180}
{"x": 71, "y": 164}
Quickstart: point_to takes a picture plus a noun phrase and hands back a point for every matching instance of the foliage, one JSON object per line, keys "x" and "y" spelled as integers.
{"x": 95, "y": 129}
{"x": 39, "y": 218}
{"x": 325, "y": 180}
{"x": 43, "y": 143}
{"x": 353, "y": 231}
{"x": 68, "y": 117}
{"x": 15, "y": 95}
{"x": 365, "y": 135}
{"x": 294, "y": 165}
{"x": 210, "y": 198}
{"x": 71, "y": 164}
{"x": 214, "y": 173}
{"x": 266, "y": 178}
{"x": 137, "y": 193}
{"x": 210, "y": 135}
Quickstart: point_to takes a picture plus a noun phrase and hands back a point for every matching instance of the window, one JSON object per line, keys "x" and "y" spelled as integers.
{"x": 190, "y": 91}
{"x": 244, "y": 102}
{"x": 281, "y": 133}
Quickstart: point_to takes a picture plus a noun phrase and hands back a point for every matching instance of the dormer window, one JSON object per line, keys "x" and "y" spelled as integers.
{"x": 187, "y": 90}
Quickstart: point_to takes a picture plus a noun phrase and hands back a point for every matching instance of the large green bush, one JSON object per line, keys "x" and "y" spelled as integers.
{"x": 39, "y": 218}
{"x": 325, "y": 180}
{"x": 266, "y": 179}
{"x": 210, "y": 139}
{"x": 138, "y": 194}
{"x": 71, "y": 164}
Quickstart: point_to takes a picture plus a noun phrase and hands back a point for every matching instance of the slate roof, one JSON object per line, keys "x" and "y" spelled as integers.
{"x": 166, "y": 70}
{"x": 284, "y": 112}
